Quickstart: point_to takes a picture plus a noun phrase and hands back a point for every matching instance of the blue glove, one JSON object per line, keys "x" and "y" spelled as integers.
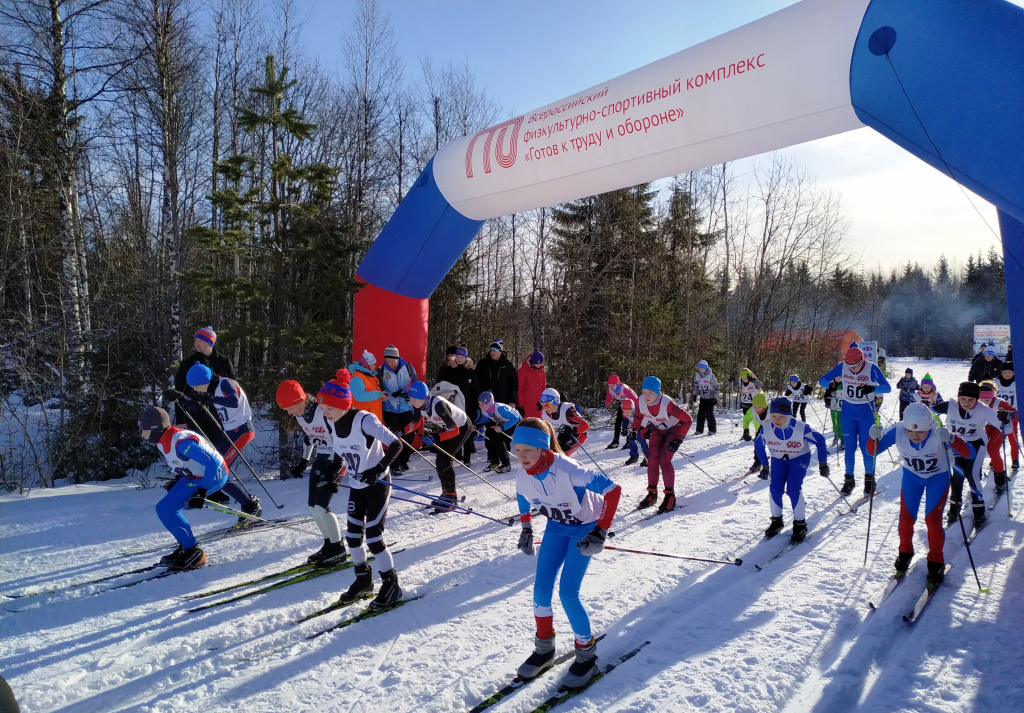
{"x": 428, "y": 441}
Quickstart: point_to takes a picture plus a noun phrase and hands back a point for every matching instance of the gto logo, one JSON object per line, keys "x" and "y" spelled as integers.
{"x": 794, "y": 444}
{"x": 504, "y": 158}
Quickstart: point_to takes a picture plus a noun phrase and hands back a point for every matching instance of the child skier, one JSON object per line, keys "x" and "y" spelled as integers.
{"x": 565, "y": 418}
{"x": 455, "y": 429}
{"x": 318, "y": 434}
{"x": 705, "y": 387}
{"x": 749, "y": 385}
{"x": 235, "y": 416}
{"x": 202, "y": 471}
{"x": 996, "y": 437}
{"x": 835, "y": 408}
{"x": 580, "y": 506}
{"x": 359, "y": 448}
{"x": 860, "y": 380}
{"x": 758, "y": 415}
{"x": 926, "y": 469}
{"x": 908, "y": 386}
{"x": 635, "y": 437}
{"x": 788, "y": 443}
{"x": 967, "y": 419}
{"x": 927, "y": 393}
{"x": 617, "y": 392}
{"x": 499, "y": 421}
{"x": 1006, "y": 390}
{"x": 799, "y": 393}
{"x": 667, "y": 425}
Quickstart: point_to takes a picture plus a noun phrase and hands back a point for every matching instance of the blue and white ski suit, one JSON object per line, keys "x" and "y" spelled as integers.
{"x": 858, "y": 413}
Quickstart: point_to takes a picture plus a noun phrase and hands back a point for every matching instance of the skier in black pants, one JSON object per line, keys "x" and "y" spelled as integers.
{"x": 455, "y": 430}
{"x": 705, "y": 387}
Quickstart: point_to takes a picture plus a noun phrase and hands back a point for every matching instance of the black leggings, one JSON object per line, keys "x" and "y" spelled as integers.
{"x": 320, "y": 492}
{"x": 445, "y": 469}
{"x": 801, "y": 410}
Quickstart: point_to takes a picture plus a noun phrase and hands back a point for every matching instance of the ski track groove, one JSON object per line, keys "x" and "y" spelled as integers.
{"x": 797, "y": 636}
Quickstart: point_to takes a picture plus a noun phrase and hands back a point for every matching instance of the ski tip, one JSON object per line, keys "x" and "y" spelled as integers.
{"x": 738, "y": 562}
{"x": 907, "y": 619}
{"x": 872, "y": 607}
{"x": 758, "y": 567}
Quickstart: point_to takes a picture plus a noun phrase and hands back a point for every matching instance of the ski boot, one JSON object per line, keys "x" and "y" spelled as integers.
{"x": 936, "y": 573}
{"x": 362, "y": 588}
{"x": 315, "y": 557}
{"x": 1015, "y": 466}
{"x": 192, "y": 558}
{"x": 624, "y": 446}
{"x": 490, "y": 467}
{"x": 389, "y": 593}
{"x": 631, "y": 460}
{"x": 648, "y": 501}
{"x": 954, "y": 512}
{"x": 445, "y": 502}
{"x": 842, "y": 445}
{"x": 614, "y": 444}
{"x": 756, "y": 466}
{"x": 669, "y": 503}
{"x": 330, "y": 554}
{"x": 503, "y": 468}
{"x": 542, "y": 658}
{"x": 869, "y": 484}
{"x": 584, "y": 668}
{"x": 902, "y": 563}
{"x": 999, "y": 478}
{"x": 166, "y": 560}
{"x": 979, "y": 515}
{"x": 848, "y": 483}
{"x": 774, "y": 528}
{"x": 799, "y": 532}
{"x": 643, "y": 463}
{"x": 250, "y": 508}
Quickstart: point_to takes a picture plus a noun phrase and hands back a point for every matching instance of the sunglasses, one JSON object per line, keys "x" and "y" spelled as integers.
{"x": 495, "y": 350}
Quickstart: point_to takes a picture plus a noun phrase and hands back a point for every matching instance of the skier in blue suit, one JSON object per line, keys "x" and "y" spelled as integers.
{"x": 860, "y": 380}
{"x": 788, "y": 442}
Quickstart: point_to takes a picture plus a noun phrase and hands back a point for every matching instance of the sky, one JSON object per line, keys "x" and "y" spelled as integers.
{"x": 529, "y": 53}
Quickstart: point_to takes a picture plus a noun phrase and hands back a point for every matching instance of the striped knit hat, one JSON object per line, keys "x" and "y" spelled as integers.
{"x": 207, "y": 335}
{"x": 336, "y": 393}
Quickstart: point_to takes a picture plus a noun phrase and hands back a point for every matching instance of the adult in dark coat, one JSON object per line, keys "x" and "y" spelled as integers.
{"x": 988, "y": 367}
{"x": 495, "y": 373}
{"x": 456, "y": 370}
{"x": 206, "y": 354}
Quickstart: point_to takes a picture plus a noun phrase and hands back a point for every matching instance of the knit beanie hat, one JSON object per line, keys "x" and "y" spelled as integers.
{"x": 794, "y": 377}
{"x": 854, "y": 356}
{"x": 927, "y": 379}
{"x": 537, "y": 358}
{"x": 289, "y": 393}
{"x": 917, "y": 417}
{"x": 702, "y": 364}
{"x": 652, "y": 383}
{"x": 156, "y": 421}
{"x": 909, "y": 371}
{"x": 487, "y": 399}
{"x": 781, "y": 405}
{"x": 613, "y": 379}
{"x": 450, "y": 351}
{"x": 628, "y": 405}
{"x": 550, "y": 396}
{"x": 990, "y": 351}
{"x": 198, "y": 374}
{"x": 744, "y": 373}
{"x": 419, "y": 391}
{"x": 760, "y": 400}
{"x": 391, "y": 352}
{"x": 207, "y": 335}
{"x": 336, "y": 392}
{"x": 368, "y": 359}
{"x": 968, "y": 388}
{"x": 1007, "y": 366}
{"x": 498, "y": 344}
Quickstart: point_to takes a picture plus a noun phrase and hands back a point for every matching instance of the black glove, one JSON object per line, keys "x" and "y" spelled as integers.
{"x": 674, "y": 444}
{"x": 823, "y": 469}
{"x": 593, "y": 542}
{"x": 809, "y": 389}
{"x": 400, "y": 394}
{"x": 867, "y": 389}
{"x": 713, "y": 402}
{"x": 170, "y": 396}
{"x": 299, "y": 468}
{"x": 197, "y": 399}
{"x": 747, "y": 436}
{"x": 198, "y": 499}
{"x": 370, "y": 475}
{"x": 526, "y": 541}
{"x": 763, "y": 475}
{"x": 1004, "y": 416}
{"x": 632, "y": 434}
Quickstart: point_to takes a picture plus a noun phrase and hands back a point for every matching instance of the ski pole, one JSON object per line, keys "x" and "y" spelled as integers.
{"x": 456, "y": 460}
{"x": 1009, "y": 510}
{"x": 836, "y": 488}
{"x": 694, "y": 464}
{"x": 199, "y": 430}
{"x": 214, "y": 505}
{"x": 244, "y": 460}
{"x": 590, "y": 457}
{"x": 457, "y": 508}
{"x": 736, "y": 561}
{"x": 970, "y": 557}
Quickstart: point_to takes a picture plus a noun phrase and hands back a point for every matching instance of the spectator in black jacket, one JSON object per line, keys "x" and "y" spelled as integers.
{"x": 989, "y": 367}
{"x": 495, "y": 373}
{"x": 206, "y": 354}
{"x": 457, "y": 370}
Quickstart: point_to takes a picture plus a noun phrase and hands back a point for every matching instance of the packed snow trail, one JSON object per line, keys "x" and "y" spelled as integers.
{"x": 798, "y": 636}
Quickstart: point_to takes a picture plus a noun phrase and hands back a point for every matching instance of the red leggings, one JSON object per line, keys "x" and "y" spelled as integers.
{"x": 659, "y": 459}
{"x": 995, "y": 449}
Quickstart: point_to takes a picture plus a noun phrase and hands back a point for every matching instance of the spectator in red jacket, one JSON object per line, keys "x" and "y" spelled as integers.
{"x": 532, "y": 382}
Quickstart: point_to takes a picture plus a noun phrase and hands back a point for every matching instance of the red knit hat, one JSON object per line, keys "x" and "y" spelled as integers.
{"x": 628, "y": 404}
{"x": 613, "y": 379}
{"x": 854, "y": 356}
{"x": 290, "y": 393}
{"x": 336, "y": 392}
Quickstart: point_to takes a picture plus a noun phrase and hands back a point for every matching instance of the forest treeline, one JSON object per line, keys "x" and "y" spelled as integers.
{"x": 169, "y": 164}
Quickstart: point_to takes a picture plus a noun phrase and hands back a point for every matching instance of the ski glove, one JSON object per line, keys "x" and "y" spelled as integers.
{"x": 763, "y": 475}
{"x": 632, "y": 434}
{"x": 400, "y": 394}
{"x": 370, "y": 475}
{"x": 867, "y": 389}
{"x": 746, "y": 436}
{"x": 1004, "y": 416}
{"x": 299, "y": 468}
{"x": 944, "y": 435}
{"x": 593, "y": 542}
{"x": 526, "y": 542}
{"x": 808, "y": 390}
{"x": 170, "y": 396}
{"x": 823, "y": 469}
{"x": 875, "y": 433}
{"x": 428, "y": 441}
{"x": 198, "y": 499}
{"x": 674, "y": 444}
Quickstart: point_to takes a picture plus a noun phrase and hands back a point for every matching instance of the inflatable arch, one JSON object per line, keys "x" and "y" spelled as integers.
{"x": 944, "y": 79}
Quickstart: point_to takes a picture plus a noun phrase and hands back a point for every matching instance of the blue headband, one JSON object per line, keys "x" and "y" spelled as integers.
{"x": 527, "y": 436}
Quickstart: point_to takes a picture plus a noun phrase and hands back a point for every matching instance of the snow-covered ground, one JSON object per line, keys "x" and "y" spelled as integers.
{"x": 797, "y": 636}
